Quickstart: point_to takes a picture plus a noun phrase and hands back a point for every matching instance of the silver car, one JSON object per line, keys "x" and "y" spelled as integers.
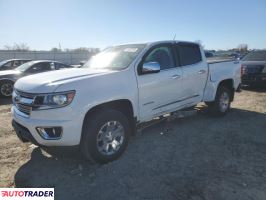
{"x": 12, "y": 63}
{"x": 9, "y": 77}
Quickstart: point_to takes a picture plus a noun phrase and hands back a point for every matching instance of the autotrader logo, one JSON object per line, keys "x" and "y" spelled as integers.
{"x": 27, "y": 193}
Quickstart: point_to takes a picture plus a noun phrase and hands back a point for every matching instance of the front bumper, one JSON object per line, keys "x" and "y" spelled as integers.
{"x": 23, "y": 133}
{"x": 25, "y": 127}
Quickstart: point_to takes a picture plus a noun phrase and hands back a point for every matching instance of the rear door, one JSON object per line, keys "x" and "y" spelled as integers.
{"x": 194, "y": 71}
{"x": 16, "y": 63}
{"x": 159, "y": 92}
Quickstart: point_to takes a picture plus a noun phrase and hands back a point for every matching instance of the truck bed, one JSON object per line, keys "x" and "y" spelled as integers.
{"x": 218, "y": 59}
{"x": 221, "y": 69}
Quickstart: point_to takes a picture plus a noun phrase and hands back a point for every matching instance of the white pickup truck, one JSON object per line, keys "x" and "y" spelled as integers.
{"x": 99, "y": 106}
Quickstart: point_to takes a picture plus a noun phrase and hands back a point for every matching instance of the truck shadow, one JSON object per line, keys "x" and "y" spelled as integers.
{"x": 5, "y": 101}
{"x": 255, "y": 89}
{"x": 182, "y": 146}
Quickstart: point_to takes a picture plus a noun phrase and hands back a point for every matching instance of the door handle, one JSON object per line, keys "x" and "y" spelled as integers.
{"x": 201, "y": 71}
{"x": 176, "y": 76}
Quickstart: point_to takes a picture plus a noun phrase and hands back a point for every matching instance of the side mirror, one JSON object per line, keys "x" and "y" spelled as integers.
{"x": 237, "y": 60}
{"x": 150, "y": 67}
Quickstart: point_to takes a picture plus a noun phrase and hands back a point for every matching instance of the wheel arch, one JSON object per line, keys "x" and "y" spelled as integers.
{"x": 229, "y": 83}
{"x": 123, "y": 105}
{"x": 7, "y": 79}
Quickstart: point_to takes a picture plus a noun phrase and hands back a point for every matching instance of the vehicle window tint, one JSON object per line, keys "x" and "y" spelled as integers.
{"x": 41, "y": 67}
{"x": 189, "y": 54}
{"x": 8, "y": 64}
{"x": 16, "y": 63}
{"x": 256, "y": 56}
{"x": 24, "y": 61}
{"x": 163, "y": 55}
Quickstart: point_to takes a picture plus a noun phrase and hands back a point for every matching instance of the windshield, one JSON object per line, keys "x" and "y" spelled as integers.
{"x": 25, "y": 66}
{"x": 255, "y": 56}
{"x": 115, "y": 58}
{"x": 3, "y": 62}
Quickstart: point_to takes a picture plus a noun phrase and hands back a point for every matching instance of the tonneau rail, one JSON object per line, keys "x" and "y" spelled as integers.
{"x": 219, "y": 59}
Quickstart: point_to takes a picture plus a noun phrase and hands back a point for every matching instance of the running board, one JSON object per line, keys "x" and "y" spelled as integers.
{"x": 168, "y": 117}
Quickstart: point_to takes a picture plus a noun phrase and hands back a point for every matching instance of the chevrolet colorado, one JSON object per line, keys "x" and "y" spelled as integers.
{"x": 99, "y": 106}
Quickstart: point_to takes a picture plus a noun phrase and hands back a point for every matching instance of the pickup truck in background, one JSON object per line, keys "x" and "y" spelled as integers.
{"x": 99, "y": 106}
{"x": 253, "y": 68}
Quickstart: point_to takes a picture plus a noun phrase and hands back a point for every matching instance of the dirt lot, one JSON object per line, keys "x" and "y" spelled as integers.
{"x": 194, "y": 158}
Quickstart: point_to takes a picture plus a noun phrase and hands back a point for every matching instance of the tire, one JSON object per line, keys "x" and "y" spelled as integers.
{"x": 222, "y": 102}
{"x": 98, "y": 137}
{"x": 6, "y": 88}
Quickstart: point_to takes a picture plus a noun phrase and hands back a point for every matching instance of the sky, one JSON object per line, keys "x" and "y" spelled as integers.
{"x": 218, "y": 24}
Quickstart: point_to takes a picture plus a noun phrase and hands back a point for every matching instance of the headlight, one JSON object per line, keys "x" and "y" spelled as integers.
{"x": 53, "y": 100}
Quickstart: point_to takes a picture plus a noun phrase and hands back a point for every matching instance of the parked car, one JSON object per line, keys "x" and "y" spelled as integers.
{"x": 9, "y": 77}
{"x": 208, "y": 54}
{"x": 253, "y": 68}
{"x": 235, "y": 55}
{"x": 12, "y": 63}
{"x": 101, "y": 104}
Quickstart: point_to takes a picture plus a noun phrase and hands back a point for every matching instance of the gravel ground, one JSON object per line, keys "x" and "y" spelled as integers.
{"x": 194, "y": 158}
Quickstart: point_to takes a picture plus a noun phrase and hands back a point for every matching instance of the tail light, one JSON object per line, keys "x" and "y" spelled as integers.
{"x": 242, "y": 70}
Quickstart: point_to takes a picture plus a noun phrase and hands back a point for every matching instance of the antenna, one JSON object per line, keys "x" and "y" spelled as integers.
{"x": 174, "y": 37}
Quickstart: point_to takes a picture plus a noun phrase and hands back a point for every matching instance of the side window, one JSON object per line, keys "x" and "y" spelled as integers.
{"x": 41, "y": 67}
{"x": 189, "y": 54}
{"x": 60, "y": 66}
{"x": 163, "y": 55}
{"x": 24, "y": 61}
{"x": 16, "y": 63}
{"x": 8, "y": 64}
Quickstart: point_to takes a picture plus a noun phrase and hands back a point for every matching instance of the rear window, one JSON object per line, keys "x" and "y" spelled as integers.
{"x": 189, "y": 54}
{"x": 255, "y": 56}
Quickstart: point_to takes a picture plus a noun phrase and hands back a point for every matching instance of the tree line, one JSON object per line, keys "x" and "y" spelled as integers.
{"x": 25, "y": 47}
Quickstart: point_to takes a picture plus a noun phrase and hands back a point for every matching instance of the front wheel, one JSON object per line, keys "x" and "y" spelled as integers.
{"x": 6, "y": 88}
{"x": 222, "y": 102}
{"x": 105, "y": 136}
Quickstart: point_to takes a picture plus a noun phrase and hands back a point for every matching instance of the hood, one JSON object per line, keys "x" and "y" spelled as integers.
{"x": 9, "y": 72}
{"x": 253, "y": 62}
{"x": 49, "y": 81}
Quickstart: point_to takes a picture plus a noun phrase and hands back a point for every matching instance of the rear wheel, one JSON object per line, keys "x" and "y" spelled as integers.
{"x": 222, "y": 102}
{"x": 105, "y": 136}
{"x": 6, "y": 88}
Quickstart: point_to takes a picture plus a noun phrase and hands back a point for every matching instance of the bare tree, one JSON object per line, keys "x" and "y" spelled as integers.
{"x": 8, "y": 47}
{"x": 18, "y": 47}
{"x": 242, "y": 47}
{"x": 55, "y": 49}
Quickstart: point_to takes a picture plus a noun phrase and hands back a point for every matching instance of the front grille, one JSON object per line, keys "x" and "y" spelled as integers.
{"x": 253, "y": 69}
{"x": 23, "y": 101}
{"x": 248, "y": 78}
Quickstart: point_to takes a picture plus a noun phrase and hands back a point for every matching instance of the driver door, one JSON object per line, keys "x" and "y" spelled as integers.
{"x": 159, "y": 92}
